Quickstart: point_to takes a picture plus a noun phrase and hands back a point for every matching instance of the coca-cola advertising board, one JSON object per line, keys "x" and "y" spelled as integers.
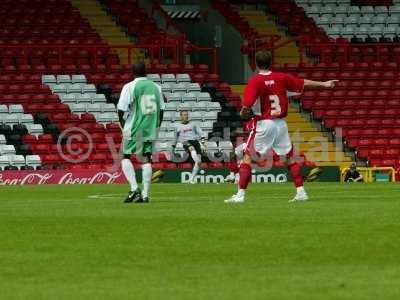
{"x": 60, "y": 177}
{"x": 115, "y": 176}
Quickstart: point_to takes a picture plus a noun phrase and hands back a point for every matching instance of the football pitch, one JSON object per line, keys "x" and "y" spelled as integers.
{"x": 82, "y": 242}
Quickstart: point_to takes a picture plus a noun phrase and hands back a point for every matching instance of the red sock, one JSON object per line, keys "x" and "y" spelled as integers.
{"x": 244, "y": 175}
{"x": 295, "y": 172}
{"x": 233, "y": 167}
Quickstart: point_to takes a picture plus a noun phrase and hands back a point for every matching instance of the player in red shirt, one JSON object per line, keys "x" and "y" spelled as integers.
{"x": 266, "y": 102}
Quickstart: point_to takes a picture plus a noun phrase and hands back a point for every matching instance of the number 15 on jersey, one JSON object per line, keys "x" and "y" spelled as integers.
{"x": 148, "y": 104}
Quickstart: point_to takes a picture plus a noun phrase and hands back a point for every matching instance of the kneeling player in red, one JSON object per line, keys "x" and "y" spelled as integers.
{"x": 266, "y": 102}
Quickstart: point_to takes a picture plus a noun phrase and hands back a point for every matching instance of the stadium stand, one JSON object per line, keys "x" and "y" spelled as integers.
{"x": 366, "y": 104}
{"x": 59, "y": 86}
{"x": 263, "y": 25}
{"x": 59, "y": 79}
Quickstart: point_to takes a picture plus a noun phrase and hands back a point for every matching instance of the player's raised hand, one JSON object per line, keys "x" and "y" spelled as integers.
{"x": 330, "y": 84}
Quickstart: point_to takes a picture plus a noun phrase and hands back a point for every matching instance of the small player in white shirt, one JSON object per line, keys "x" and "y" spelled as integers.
{"x": 192, "y": 138}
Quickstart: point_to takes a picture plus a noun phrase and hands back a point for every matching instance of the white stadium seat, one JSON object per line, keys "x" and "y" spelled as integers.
{"x": 74, "y": 88}
{"x": 154, "y": 77}
{"x": 107, "y": 117}
{"x": 165, "y": 126}
{"x": 183, "y": 78}
{"x": 203, "y": 97}
{"x": 48, "y": 79}
{"x": 174, "y": 97}
{"x": 63, "y": 79}
{"x": 58, "y": 88}
{"x": 353, "y": 19}
{"x": 188, "y": 105}
{"x": 168, "y": 78}
{"x": 166, "y": 136}
{"x": 214, "y": 106}
{"x": 11, "y": 119}
{"x": 179, "y": 87}
{"x": 95, "y": 108}
{"x": 78, "y": 107}
{"x": 376, "y": 31}
{"x": 15, "y": 108}
{"x": 83, "y": 98}
{"x": 7, "y": 149}
{"x": 207, "y": 126}
{"x": 67, "y": 98}
{"x": 98, "y": 98}
{"x": 89, "y": 88}
{"x": 337, "y": 20}
{"x": 169, "y": 115}
{"x": 4, "y": 161}
{"x": 162, "y": 146}
{"x": 166, "y": 87}
{"x": 389, "y": 31}
{"x": 193, "y": 87}
{"x": 210, "y": 115}
{"x": 363, "y": 32}
{"x": 3, "y": 109}
{"x": 108, "y": 107}
{"x": 189, "y": 97}
{"x": 26, "y": 119}
{"x": 324, "y": 20}
{"x": 379, "y": 20}
{"x": 33, "y": 161}
{"x": 78, "y": 78}
{"x": 196, "y": 116}
{"x": 34, "y": 129}
{"x": 365, "y": 20}
{"x": 171, "y": 106}
{"x": 337, "y": 17}
{"x": 17, "y": 161}
{"x": 380, "y": 10}
{"x": 200, "y": 106}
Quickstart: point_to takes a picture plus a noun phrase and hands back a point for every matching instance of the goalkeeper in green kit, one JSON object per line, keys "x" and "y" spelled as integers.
{"x": 140, "y": 110}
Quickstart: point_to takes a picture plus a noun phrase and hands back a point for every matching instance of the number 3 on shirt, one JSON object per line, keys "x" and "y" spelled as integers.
{"x": 275, "y": 105}
{"x": 148, "y": 104}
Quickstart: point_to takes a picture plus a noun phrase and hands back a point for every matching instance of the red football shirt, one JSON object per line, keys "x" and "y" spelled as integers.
{"x": 266, "y": 94}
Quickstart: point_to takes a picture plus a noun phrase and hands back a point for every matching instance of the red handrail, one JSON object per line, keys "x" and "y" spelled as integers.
{"x": 274, "y": 43}
{"x": 92, "y": 48}
{"x": 346, "y": 47}
{"x": 177, "y": 50}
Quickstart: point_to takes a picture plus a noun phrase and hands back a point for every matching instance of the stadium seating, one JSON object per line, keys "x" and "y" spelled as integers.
{"x": 140, "y": 26}
{"x": 365, "y": 104}
{"x": 47, "y": 87}
{"x": 341, "y": 19}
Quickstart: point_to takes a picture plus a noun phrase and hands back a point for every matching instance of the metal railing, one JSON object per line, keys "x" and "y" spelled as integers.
{"x": 339, "y": 50}
{"x": 163, "y": 52}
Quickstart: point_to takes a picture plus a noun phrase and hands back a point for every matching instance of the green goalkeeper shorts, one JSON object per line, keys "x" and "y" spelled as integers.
{"x": 134, "y": 147}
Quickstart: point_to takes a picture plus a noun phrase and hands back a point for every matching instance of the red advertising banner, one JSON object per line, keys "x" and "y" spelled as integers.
{"x": 61, "y": 177}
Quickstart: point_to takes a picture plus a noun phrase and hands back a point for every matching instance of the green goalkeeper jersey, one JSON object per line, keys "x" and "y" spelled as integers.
{"x": 141, "y": 100}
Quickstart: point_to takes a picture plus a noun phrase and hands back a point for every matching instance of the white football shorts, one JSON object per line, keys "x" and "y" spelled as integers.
{"x": 270, "y": 134}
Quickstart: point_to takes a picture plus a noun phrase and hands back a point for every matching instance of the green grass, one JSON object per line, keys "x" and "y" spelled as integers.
{"x": 60, "y": 242}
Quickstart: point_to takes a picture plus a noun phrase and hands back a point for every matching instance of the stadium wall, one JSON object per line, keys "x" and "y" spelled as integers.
{"x": 40, "y": 177}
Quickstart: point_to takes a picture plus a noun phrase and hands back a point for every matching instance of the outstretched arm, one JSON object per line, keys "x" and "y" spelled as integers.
{"x": 310, "y": 84}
